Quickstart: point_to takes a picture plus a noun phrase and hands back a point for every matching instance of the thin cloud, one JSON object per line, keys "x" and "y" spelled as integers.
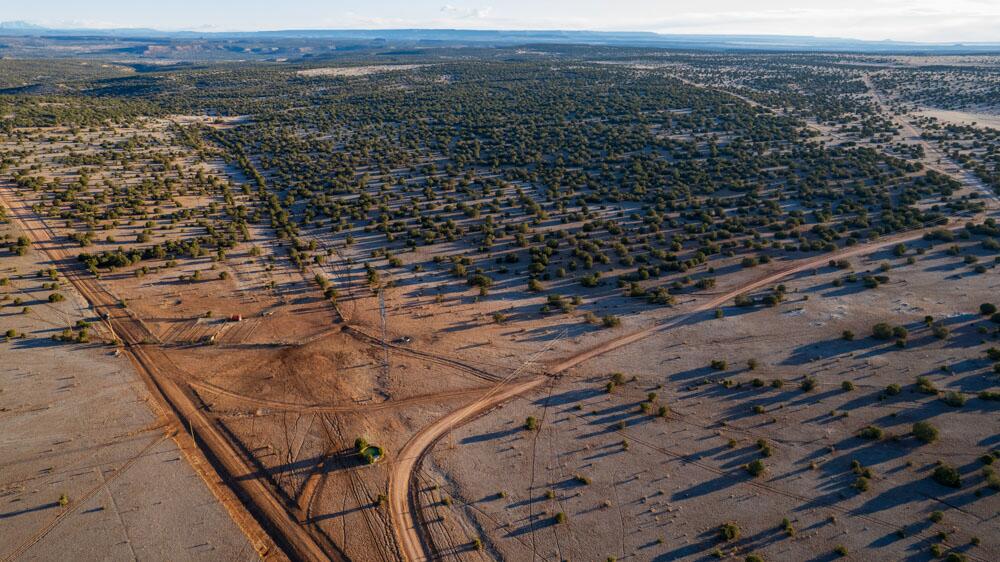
{"x": 467, "y": 13}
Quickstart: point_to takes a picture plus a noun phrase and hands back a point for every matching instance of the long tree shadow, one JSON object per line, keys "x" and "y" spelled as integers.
{"x": 717, "y": 484}
{"x": 42, "y": 507}
{"x": 828, "y": 349}
{"x": 568, "y": 397}
{"x": 540, "y": 522}
{"x": 707, "y": 540}
{"x": 491, "y": 436}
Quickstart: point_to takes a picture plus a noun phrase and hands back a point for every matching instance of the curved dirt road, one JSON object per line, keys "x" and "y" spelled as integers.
{"x": 410, "y": 457}
{"x": 718, "y": 301}
{"x": 413, "y": 452}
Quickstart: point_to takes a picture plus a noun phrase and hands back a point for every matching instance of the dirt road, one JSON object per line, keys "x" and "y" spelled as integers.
{"x": 403, "y": 473}
{"x": 934, "y": 158}
{"x": 799, "y": 267}
{"x": 410, "y": 457}
{"x": 179, "y": 407}
{"x": 819, "y": 261}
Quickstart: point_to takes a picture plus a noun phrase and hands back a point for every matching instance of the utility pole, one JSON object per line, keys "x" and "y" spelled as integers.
{"x": 385, "y": 335}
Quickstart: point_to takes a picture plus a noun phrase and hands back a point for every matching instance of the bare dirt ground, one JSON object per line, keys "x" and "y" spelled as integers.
{"x": 439, "y": 496}
{"x": 962, "y": 117}
{"x": 279, "y": 396}
{"x": 276, "y": 383}
{"x": 78, "y": 422}
{"x": 659, "y": 488}
{"x": 357, "y": 70}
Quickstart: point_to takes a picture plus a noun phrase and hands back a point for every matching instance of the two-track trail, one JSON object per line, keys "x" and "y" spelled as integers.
{"x": 251, "y": 502}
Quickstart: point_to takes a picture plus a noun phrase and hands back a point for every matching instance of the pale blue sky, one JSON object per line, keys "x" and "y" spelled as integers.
{"x": 919, "y": 20}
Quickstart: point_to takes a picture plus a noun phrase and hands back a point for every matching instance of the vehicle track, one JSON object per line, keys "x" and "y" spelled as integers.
{"x": 41, "y": 533}
{"x": 283, "y": 406}
{"x": 917, "y": 136}
{"x": 403, "y": 473}
{"x": 402, "y": 503}
{"x": 359, "y": 492}
{"x": 792, "y": 269}
{"x": 258, "y": 508}
{"x": 435, "y": 358}
{"x": 534, "y": 459}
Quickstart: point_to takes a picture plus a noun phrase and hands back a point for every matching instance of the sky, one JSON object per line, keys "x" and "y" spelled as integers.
{"x": 902, "y": 20}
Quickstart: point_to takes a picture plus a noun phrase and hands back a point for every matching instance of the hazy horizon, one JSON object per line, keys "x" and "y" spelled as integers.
{"x": 966, "y": 21}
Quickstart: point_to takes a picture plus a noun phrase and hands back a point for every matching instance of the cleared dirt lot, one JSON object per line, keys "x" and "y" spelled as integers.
{"x": 79, "y": 423}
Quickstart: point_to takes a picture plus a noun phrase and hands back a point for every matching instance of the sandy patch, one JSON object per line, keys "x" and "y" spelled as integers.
{"x": 962, "y": 117}
{"x": 357, "y": 70}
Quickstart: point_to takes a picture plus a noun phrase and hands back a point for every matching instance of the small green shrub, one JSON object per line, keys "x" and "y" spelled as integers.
{"x": 954, "y": 399}
{"x": 940, "y": 331}
{"x": 882, "y": 331}
{"x": 925, "y": 386}
{"x": 947, "y": 475}
{"x": 764, "y": 447}
{"x": 871, "y": 432}
{"x": 925, "y": 432}
{"x": 729, "y": 532}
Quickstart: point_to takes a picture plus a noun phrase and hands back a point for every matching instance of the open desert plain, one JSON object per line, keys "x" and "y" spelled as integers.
{"x": 303, "y": 299}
